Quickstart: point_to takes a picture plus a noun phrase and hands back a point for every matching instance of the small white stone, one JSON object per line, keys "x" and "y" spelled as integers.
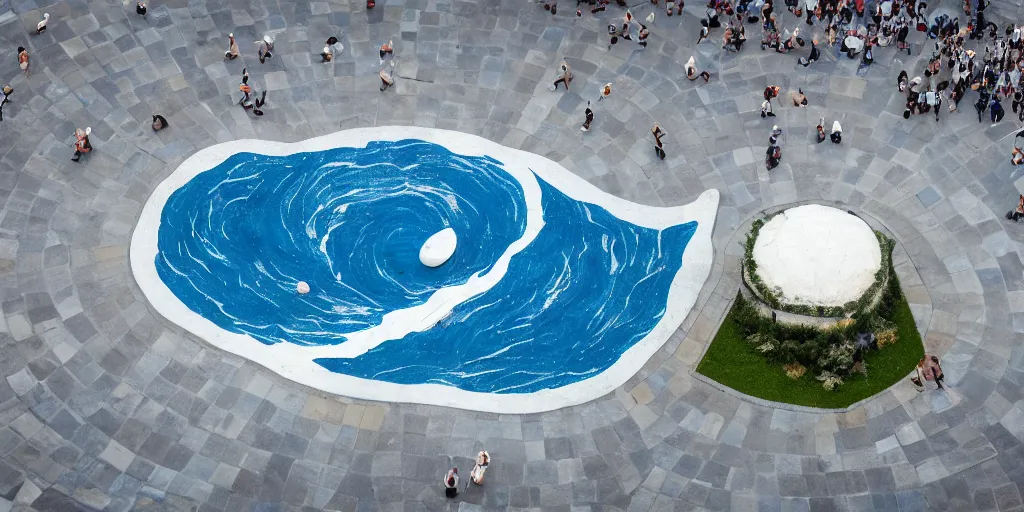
{"x": 302, "y": 287}
{"x": 438, "y": 248}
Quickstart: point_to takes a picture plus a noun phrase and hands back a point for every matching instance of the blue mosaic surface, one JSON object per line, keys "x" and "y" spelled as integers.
{"x": 235, "y": 240}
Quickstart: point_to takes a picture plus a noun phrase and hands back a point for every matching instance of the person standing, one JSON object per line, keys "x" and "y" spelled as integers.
{"x": 483, "y": 459}
{"x": 232, "y": 52}
{"x": 642, "y": 36}
{"x": 7, "y": 90}
{"x": 821, "y": 130}
{"x": 82, "y": 144}
{"x": 564, "y": 77}
{"x": 766, "y": 109}
{"x": 588, "y": 118}
{"x": 451, "y": 483}
{"x": 159, "y": 123}
{"x": 41, "y": 26}
{"x": 23, "y": 59}
{"x": 605, "y": 91}
{"x": 140, "y": 8}
{"x": 659, "y": 148}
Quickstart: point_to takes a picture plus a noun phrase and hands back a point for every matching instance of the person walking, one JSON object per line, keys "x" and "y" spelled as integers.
{"x": 82, "y": 144}
{"x": 837, "y": 132}
{"x": 386, "y": 50}
{"x": 41, "y": 26}
{"x": 821, "y": 130}
{"x": 23, "y": 59}
{"x": 641, "y": 38}
{"x": 385, "y": 79}
{"x": 246, "y": 90}
{"x": 692, "y": 73}
{"x": 328, "y": 53}
{"x": 232, "y": 52}
{"x": 773, "y": 155}
{"x": 1018, "y": 212}
{"x": 605, "y": 91}
{"x": 140, "y": 8}
{"x": 7, "y": 90}
{"x": 451, "y": 483}
{"x": 564, "y": 77}
{"x": 588, "y": 118}
{"x": 266, "y": 48}
{"x": 766, "y": 109}
{"x": 996, "y": 110}
{"x": 659, "y": 148}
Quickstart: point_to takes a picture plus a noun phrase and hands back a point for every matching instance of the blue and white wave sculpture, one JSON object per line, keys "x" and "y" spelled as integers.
{"x": 556, "y": 293}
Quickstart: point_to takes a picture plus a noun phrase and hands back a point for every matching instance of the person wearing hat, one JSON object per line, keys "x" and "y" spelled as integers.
{"x": 81, "y": 143}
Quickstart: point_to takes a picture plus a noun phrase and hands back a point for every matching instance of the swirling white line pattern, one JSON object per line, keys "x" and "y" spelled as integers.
{"x": 556, "y": 293}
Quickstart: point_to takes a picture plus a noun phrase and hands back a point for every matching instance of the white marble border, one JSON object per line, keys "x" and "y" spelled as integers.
{"x": 296, "y": 365}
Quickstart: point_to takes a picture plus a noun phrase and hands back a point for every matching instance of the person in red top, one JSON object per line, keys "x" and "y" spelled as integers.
{"x": 81, "y": 143}
{"x": 23, "y": 59}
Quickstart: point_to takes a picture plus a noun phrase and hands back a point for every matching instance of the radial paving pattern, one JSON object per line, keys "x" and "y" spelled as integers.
{"x": 104, "y": 405}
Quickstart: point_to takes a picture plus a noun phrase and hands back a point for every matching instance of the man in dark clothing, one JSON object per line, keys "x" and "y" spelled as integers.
{"x": 996, "y": 110}
{"x": 815, "y": 55}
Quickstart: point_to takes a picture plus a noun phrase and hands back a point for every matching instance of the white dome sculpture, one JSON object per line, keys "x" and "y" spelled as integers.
{"x": 817, "y": 255}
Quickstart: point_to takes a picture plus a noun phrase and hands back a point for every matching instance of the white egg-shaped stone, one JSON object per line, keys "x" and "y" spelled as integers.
{"x": 438, "y": 248}
{"x": 302, "y": 287}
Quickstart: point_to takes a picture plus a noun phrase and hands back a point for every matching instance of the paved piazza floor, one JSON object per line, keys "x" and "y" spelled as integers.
{"x": 104, "y": 405}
